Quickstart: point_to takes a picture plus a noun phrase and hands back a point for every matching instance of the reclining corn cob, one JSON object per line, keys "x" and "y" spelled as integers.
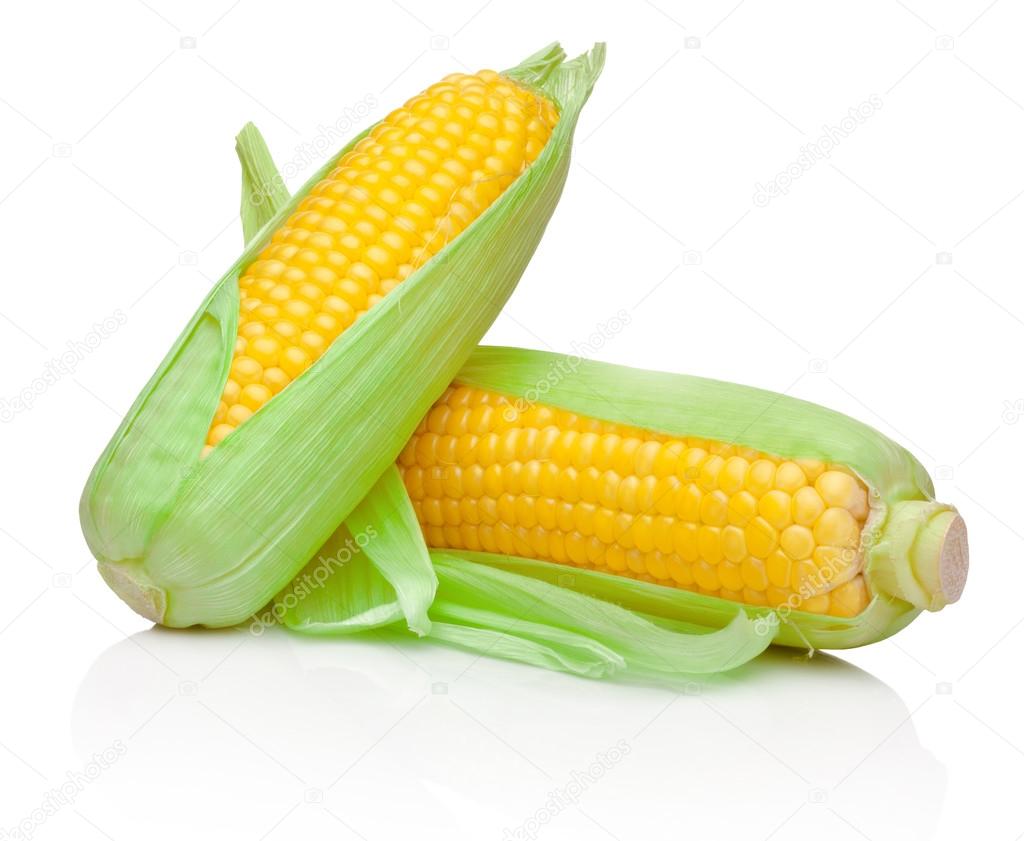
{"x": 310, "y": 362}
{"x": 677, "y": 500}
{"x": 709, "y": 490}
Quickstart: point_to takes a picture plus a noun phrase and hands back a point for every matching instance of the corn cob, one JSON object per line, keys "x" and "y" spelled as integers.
{"x": 413, "y": 184}
{"x": 716, "y": 491}
{"x": 312, "y": 358}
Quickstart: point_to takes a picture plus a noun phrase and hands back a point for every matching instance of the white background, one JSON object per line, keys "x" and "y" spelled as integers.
{"x": 118, "y": 194}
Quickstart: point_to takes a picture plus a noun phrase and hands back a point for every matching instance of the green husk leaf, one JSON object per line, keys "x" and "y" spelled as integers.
{"x": 679, "y": 404}
{"x": 210, "y": 541}
{"x": 505, "y": 614}
{"x": 883, "y": 617}
{"x": 356, "y": 597}
{"x": 396, "y": 546}
{"x": 338, "y": 592}
{"x": 530, "y": 643}
{"x": 646, "y": 647}
{"x": 263, "y": 190}
{"x": 136, "y": 479}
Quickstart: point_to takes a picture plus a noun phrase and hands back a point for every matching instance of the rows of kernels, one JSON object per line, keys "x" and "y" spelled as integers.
{"x": 413, "y": 184}
{"x": 487, "y": 474}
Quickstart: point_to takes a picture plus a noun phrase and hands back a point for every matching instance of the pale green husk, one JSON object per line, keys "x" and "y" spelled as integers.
{"x": 263, "y": 189}
{"x": 187, "y": 541}
{"x": 505, "y": 614}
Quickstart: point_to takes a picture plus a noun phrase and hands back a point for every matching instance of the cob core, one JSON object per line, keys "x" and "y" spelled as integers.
{"x": 416, "y": 181}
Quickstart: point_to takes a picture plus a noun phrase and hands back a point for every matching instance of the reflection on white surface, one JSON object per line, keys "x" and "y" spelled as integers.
{"x": 232, "y": 736}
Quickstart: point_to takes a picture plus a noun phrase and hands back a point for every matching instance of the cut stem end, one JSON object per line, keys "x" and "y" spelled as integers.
{"x": 135, "y": 589}
{"x": 923, "y": 557}
{"x": 940, "y": 557}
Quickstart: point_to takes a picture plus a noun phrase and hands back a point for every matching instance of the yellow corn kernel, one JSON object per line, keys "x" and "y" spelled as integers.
{"x": 754, "y": 574}
{"x": 837, "y": 565}
{"x": 797, "y": 542}
{"x": 742, "y": 508}
{"x": 777, "y": 567}
{"x": 789, "y": 477}
{"x": 761, "y": 537}
{"x": 714, "y": 508}
{"x": 775, "y": 507}
{"x": 811, "y": 467}
{"x": 760, "y": 477}
{"x": 807, "y": 506}
{"x": 733, "y": 474}
{"x": 681, "y": 571}
{"x": 841, "y": 490}
{"x": 705, "y": 575}
{"x": 815, "y": 604}
{"x": 850, "y": 598}
{"x": 709, "y": 544}
{"x": 837, "y": 527}
{"x": 734, "y": 545}
{"x": 730, "y": 575}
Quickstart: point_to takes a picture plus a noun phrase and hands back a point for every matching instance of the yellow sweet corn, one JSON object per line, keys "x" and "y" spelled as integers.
{"x": 309, "y": 363}
{"x": 393, "y": 201}
{"x": 681, "y": 497}
{"x": 486, "y": 475}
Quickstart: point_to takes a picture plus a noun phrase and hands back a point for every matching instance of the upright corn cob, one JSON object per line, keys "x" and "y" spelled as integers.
{"x": 393, "y": 201}
{"x": 311, "y": 360}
